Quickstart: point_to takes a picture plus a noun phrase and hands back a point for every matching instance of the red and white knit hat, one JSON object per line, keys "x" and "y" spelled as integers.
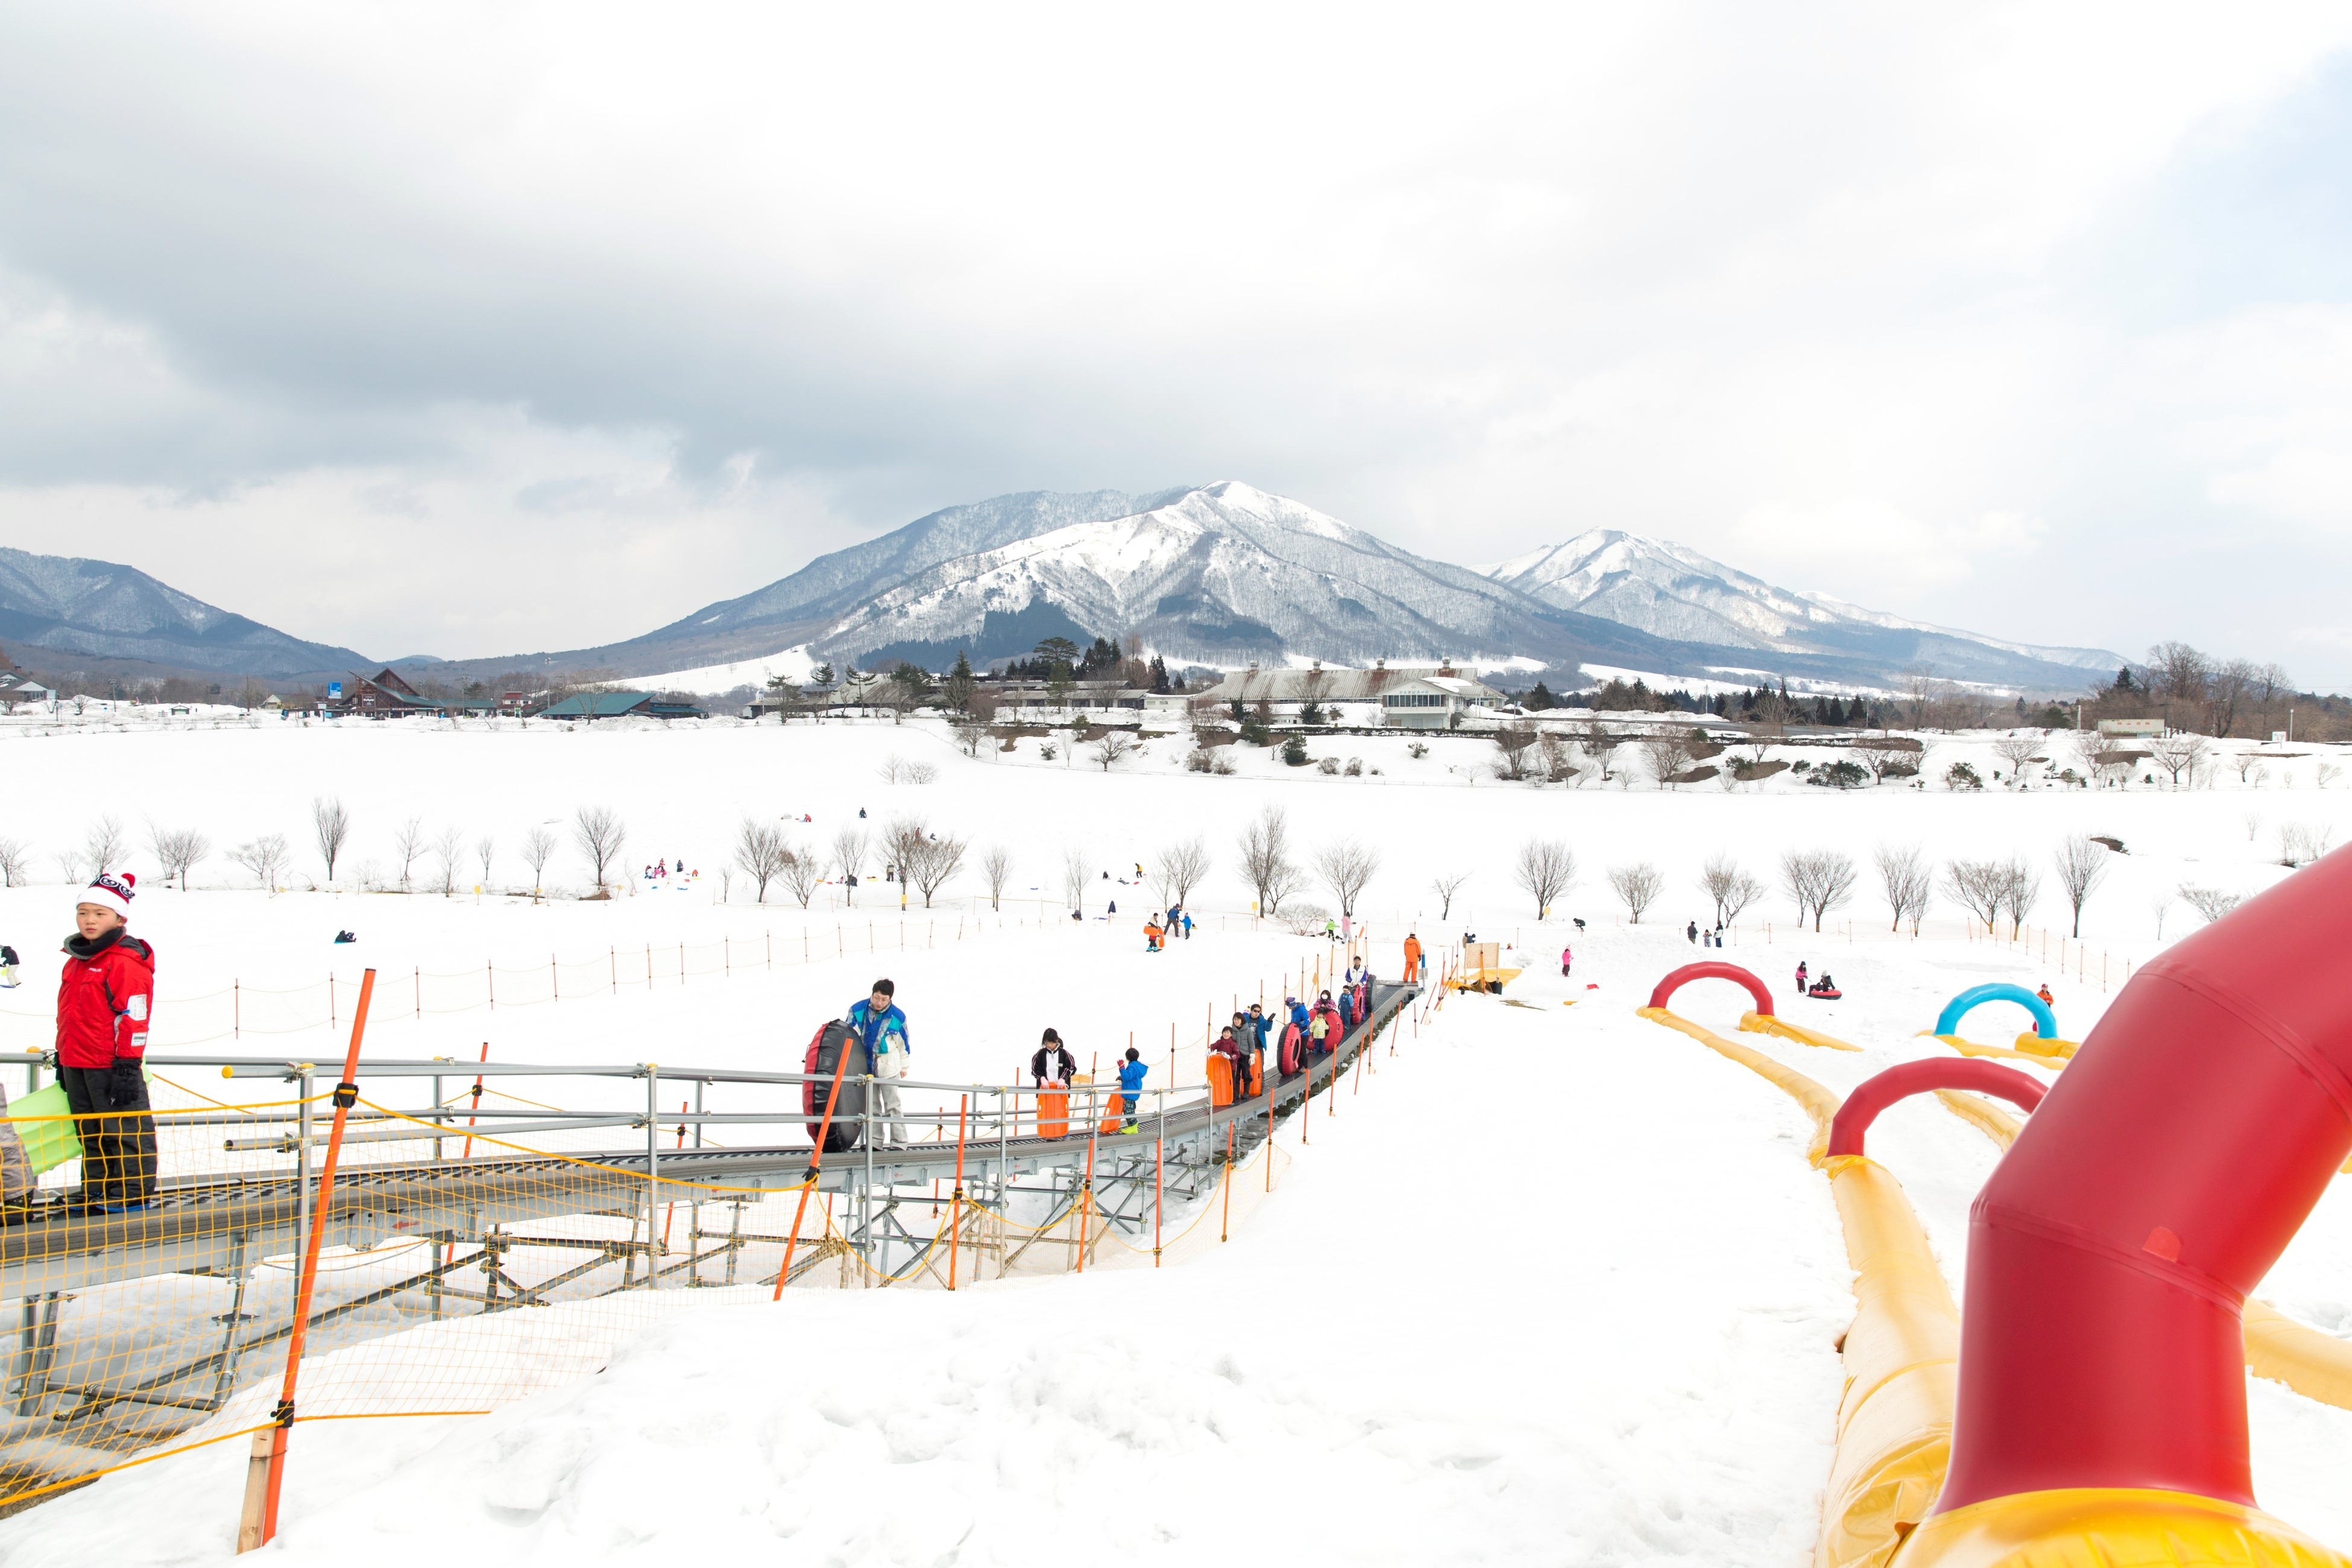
{"x": 111, "y": 889}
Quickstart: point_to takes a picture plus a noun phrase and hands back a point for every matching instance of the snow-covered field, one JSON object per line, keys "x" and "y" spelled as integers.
{"x": 1557, "y": 1284}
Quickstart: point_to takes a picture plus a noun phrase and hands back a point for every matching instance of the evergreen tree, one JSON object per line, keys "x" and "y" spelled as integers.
{"x": 959, "y": 686}
{"x": 1159, "y": 673}
{"x": 1540, "y": 699}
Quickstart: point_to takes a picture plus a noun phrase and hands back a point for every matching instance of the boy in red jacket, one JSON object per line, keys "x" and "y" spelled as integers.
{"x": 104, "y": 1000}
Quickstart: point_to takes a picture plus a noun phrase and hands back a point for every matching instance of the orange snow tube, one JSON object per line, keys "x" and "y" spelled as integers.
{"x": 1220, "y": 1079}
{"x": 1053, "y": 1113}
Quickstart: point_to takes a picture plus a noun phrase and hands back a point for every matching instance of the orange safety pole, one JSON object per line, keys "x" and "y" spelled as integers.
{"x": 808, "y": 1183}
{"x": 955, "y": 1203}
{"x": 265, "y": 1477}
{"x": 670, "y": 1212}
{"x": 1226, "y": 1225}
{"x": 1087, "y": 1195}
{"x": 476, "y": 1093}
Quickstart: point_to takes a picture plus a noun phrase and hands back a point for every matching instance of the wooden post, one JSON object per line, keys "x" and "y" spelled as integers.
{"x": 265, "y": 1476}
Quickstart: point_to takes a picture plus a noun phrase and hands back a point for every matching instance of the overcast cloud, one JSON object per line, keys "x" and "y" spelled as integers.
{"x": 472, "y": 330}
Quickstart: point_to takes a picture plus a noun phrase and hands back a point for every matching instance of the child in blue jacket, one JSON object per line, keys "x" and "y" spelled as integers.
{"x": 1130, "y": 1085}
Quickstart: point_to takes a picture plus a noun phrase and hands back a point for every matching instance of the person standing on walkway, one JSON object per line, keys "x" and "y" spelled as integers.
{"x": 105, "y": 998}
{"x": 1412, "y": 958}
{"x": 879, "y": 1023}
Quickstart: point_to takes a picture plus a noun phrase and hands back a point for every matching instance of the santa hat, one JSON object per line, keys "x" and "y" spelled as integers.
{"x": 111, "y": 889}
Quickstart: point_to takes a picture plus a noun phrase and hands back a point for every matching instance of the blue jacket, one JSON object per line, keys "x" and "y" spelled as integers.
{"x": 1130, "y": 1079}
{"x": 884, "y": 1032}
{"x": 1261, "y": 1024}
{"x": 1298, "y": 1013}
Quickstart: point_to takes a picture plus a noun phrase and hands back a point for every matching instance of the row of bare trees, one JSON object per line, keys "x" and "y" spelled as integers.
{"x": 1345, "y": 868}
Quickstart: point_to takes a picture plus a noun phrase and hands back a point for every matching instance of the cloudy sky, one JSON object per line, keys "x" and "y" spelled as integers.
{"x": 472, "y": 329}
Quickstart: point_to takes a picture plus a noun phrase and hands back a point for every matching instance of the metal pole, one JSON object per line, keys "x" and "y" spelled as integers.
{"x": 865, "y": 1187}
{"x": 303, "y": 1122}
{"x": 653, "y": 1166}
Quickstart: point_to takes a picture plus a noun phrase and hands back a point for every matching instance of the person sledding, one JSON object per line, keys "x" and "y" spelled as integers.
{"x": 1824, "y": 989}
{"x": 1152, "y": 932}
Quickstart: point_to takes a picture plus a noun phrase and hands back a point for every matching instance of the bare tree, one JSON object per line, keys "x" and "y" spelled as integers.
{"x": 2017, "y": 748}
{"x": 761, "y": 854}
{"x": 177, "y": 850}
{"x": 1668, "y": 756}
{"x": 1446, "y": 886}
{"x": 2226, "y": 692}
{"x": 803, "y": 873}
{"x": 1906, "y": 883}
{"x": 1345, "y": 868}
{"x": 1266, "y": 865}
{"x": 1818, "y": 879}
{"x": 485, "y": 848}
{"x": 997, "y": 866}
{"x": 2211, "y": 903}
{"x": 970, "y": 734}
{"x": 2180, "y": 751}
{"x": 2251, "y": 770}
{"x": 2300, "y": 843}
{"x": 408, "y": 841}
{"x": 936, "y": 861}
{"x": 903, "y": 840}
{"x": 2020, "y": 886}
{"x": 538, "y": 849}
{"x": 597, "y": 830}
{"x": 2159, "y": 904}
{"x": 848, "y": 853}
{"x": 1515, "y": 748}
{"x": 1731, "y": 888}
{"x": 266, "y": 858}
{"x": 1181, "y": 867}
{"x": 331, "y": 826}
{"x": 1545, "y": 868}
{"x": 447, "y": 848}
{"x": 2082, "y": 866}
{"x": 1975, "y": 886}
{"x": 1116, "y": 746}
{"x": 1637, "y": 887}
{"x": 1076, "y": 876}
{"x": 103, "y": 848}
{"x": 15, "y": 861}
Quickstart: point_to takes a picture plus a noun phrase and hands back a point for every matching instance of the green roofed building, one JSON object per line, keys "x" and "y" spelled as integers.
{"x": 594, "y": 705}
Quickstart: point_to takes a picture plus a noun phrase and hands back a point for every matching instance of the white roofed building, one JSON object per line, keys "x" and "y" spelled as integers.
{"x": 1432, "y": 697}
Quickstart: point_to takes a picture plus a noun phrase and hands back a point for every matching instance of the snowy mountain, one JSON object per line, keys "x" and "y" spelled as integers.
{"x": 1222, "y": 575}
{"x": 1673, "y": 590}
{"x": 1226, "y": 575}
{"x": 76, "y": 610}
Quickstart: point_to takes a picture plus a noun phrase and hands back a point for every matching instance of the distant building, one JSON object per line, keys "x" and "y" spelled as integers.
{"x": 384, "y": 695}
{"x": 594, "y": 705}
{"x": 15, "y": 689}
{"x": 2132, "y": 729}
{"x": 1424, "y": 698}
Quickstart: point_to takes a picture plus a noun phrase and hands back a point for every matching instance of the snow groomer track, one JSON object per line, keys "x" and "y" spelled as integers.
{"x": 451, "y": 1204}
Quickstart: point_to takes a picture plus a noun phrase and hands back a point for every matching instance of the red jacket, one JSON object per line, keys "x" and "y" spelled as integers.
{"x": 104, "y": 1000}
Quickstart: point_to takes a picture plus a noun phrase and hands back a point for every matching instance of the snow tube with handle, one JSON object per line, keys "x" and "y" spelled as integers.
{"x": 835, "y": 1042}
{"x": 1293, "y": 1050}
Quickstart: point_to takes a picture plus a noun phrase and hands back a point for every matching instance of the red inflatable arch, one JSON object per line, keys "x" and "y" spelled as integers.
{"x": 2110, "y": 1253}
{"x": 1875, "y": 1094}
{"x": 1713, "y": 971}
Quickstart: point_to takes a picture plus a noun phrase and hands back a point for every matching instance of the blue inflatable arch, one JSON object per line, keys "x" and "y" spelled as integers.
{"x": 2045, "y": 1022}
